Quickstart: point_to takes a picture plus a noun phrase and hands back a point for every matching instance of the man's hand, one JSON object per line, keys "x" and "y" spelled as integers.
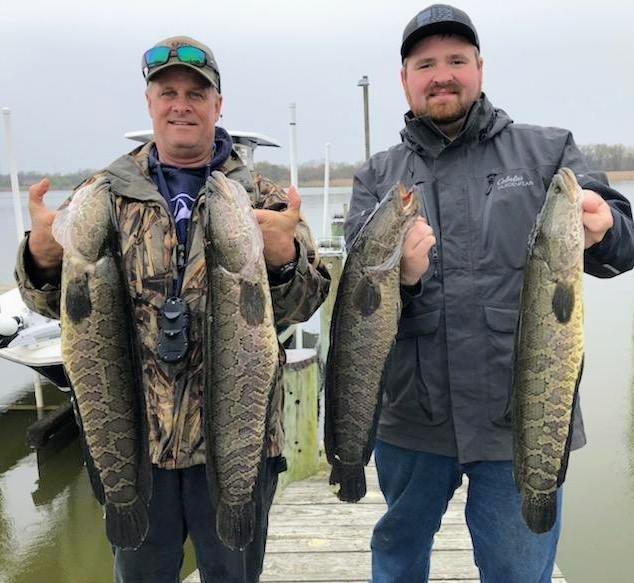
{"x": 597, "y": 217}
{"x": 278, "y": 231}
{"x": 417, "y": 243}
{"x": 45, "y": 251}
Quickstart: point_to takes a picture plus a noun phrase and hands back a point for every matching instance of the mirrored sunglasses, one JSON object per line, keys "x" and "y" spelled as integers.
{"x": 157, "y": 56}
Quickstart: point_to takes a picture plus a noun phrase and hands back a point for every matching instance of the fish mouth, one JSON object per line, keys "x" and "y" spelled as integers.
{"x": 566, "y": 182}
{"x": 407, "y": 198}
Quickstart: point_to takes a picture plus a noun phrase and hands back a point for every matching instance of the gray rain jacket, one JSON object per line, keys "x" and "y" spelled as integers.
{"x": 447, "y": 381}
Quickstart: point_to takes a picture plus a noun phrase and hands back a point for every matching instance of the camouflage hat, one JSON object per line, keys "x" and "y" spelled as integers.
{"x": 438, "y": 19}
{"x": 184, "y": 52}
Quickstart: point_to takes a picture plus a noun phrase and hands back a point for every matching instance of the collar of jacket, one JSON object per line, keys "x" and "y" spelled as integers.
{"x": 483, "y": 121}
{"x": 129, "y": 175}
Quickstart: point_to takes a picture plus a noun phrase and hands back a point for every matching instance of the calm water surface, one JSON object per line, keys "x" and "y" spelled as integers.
{"x": 52, "y": 531}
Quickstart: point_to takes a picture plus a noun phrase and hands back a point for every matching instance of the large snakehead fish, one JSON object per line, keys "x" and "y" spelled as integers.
{"x": 364, "y": 323}
{"x": 241, "y": 357}
{"x": 549, "y": 352}
{"x": 99, "y": 351}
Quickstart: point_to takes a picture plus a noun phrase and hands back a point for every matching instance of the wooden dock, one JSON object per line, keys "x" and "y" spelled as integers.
{"x": 313, "y": 537}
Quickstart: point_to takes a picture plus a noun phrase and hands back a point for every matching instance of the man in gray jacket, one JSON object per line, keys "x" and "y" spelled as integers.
{"x": 446, "y": 387}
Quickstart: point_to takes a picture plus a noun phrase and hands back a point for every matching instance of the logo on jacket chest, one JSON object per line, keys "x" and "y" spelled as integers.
{"x": 513, "y": 181}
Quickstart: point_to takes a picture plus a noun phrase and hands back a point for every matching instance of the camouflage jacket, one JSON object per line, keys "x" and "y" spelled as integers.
{"x": 173, "y": 391}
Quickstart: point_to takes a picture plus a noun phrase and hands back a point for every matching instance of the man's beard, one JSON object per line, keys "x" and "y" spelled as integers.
{"x": 447, "y": 112}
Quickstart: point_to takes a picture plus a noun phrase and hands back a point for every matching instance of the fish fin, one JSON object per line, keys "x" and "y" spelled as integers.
{"x": 78, "y": 304}
{"x": 563, "y": 301}
{"x": 91, "y": 470}
{"x": 366, "y": 296}
{"x": 563, "y": 468}
{"x": 144, "y": 468}
{"x": 540, "y": 511}
{"x": 210, "y": 464}
{"x": 235, "y": 524}
{"x": 252, "y": 303}
{"x": 127, "y": 526}
{"x": 351, "y": 481}
{"x": 369, "y": 446}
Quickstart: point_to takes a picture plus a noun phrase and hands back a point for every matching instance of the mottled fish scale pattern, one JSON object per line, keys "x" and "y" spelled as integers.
{"x": 363, "y": 327}
{"x": 241, "y": 354}
{"x": 99, "y": 353}
{"x": 549, "y": 352}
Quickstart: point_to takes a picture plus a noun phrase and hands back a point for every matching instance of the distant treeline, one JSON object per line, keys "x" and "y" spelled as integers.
{"x": 599, "y": 156}
{"x": 58, "y": 181}
{"x": 609, "y": 158}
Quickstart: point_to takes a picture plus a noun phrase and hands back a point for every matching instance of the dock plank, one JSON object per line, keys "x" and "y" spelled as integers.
{"x": 315, "y": 538}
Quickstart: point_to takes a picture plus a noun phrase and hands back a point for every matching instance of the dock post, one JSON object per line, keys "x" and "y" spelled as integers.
{"x": 301, "y": 448}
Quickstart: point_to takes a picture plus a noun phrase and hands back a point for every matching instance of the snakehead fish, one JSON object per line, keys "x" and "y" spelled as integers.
{"x": 549, "y": 352}
{"x": 364, "y": 323}
{"x": 99, "y": 352}
{"x": 241, "y": 357}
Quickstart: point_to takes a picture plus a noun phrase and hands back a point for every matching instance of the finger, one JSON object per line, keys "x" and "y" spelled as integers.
{"x": 38, "y": 190}
{"x": 591, "y": 201}
{"x": 294, "y": 200}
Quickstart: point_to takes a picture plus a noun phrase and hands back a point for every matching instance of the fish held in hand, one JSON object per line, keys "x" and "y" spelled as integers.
{"x": 364, "y": 323}
{"x": 100, "y": 354}
{"x": 549, "y": 352}
{"x": 241, "y": 355}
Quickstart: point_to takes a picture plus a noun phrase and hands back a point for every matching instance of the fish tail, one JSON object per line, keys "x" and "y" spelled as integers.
{"x": 540, "y": 511}
{"x": 350, "y": 479}
{"x": 235, "y": 524}
{"x": 127, "y": 527}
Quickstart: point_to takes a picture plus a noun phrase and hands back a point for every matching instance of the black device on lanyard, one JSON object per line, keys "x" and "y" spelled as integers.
{"x": 173, "y": 337}
{"x": 174, "y": 314}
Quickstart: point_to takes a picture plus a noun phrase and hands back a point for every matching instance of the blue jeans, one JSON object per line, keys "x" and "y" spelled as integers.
{"x": 181, "y": 506}
{"x": 418, "y": 487}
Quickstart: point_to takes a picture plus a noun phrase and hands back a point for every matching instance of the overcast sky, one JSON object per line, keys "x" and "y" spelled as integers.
{"x": 70, "y": 70}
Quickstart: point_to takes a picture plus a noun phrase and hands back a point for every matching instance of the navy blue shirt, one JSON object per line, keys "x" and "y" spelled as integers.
{"x": 180, "y": 186}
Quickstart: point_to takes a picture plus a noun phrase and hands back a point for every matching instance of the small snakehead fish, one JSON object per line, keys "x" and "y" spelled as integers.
{"x": 364, "y": 323}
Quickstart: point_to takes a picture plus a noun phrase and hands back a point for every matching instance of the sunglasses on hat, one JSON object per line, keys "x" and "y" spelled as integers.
{"x": 157, "y": 56}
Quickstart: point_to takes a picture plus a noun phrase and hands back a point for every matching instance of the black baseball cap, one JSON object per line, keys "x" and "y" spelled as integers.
{"x": 438, "y": 19}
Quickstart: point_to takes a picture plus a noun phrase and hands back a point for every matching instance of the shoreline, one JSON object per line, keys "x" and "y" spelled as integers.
{"x": 613, "y": 176}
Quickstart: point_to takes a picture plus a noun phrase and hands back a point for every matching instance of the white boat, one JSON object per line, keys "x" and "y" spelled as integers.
{"x": 32, "y": 340}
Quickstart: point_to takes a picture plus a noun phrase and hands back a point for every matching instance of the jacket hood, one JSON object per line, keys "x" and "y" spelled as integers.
{"x": 130, "y": 173}
{"x": 483, "y": 122}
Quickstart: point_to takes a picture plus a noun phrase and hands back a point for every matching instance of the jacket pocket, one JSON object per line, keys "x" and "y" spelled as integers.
{"x": 415, "y": 376}
{"x": 501, "y": 326}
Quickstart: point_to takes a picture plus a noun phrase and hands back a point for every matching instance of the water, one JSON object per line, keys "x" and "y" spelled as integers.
{"x": 51, "y": 528}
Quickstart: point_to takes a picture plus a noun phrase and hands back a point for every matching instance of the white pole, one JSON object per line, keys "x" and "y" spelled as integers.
{"x": 293, "y": 124}
{"x": 19, "y": 226}
{"x": 299, "y": 334}
{"x": 15, "y": 187}
{"x": 39, "y": 397}
{"x": 324, "y": 229}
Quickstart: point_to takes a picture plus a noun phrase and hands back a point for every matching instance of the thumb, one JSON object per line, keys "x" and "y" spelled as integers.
{"x": 294, "y": 200}
{"x": 37, "y": 191}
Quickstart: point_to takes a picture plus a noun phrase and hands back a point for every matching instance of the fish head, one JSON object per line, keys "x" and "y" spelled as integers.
{"x": 559, "y": 226}
{"x": 383, "y": 232}
{"x": 231, "y": 227}
{"x": 84, "y": 226}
